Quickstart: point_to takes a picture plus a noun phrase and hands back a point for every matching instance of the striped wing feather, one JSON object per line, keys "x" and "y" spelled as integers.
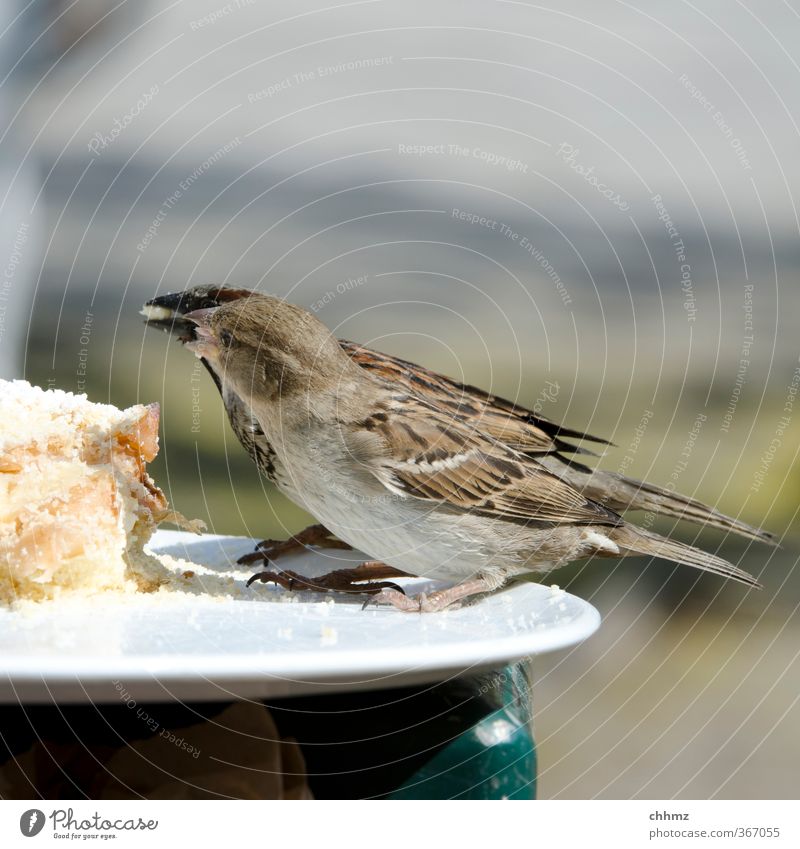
{"x": 519, "y": 428}
{"x": 417, "y": 451}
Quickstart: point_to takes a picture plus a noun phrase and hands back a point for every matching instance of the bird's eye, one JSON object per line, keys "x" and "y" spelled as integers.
{"x": 226, "y": 337}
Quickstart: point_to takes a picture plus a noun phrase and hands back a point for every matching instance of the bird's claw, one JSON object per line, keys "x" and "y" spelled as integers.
{"x": 267, "y": 550}
{"x": 282, "y": 579}
{"x": 271, "y": 549}
{"x": 338, "y": 581}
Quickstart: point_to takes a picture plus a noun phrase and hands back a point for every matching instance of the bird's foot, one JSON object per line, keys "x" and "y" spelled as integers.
{"x": 433, "y": 602}
{"x": 399, "y": 600}
{"x": 269, "y": 550}
{"x": 364, "y": 578}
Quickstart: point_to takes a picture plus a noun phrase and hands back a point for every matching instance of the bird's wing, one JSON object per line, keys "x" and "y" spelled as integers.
{"x": 529, "y": 433}
{"x": 519, "y": 428}
{"x": 622, "y": 493}
{"x": 419, "y": 450}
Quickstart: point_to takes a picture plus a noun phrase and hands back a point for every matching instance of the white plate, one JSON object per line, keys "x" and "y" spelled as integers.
{"x": 151, "y": 648}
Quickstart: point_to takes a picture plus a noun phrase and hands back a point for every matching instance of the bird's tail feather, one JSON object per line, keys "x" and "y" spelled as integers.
{"x": 621, "y": 493}
{"x": 633, "y": 540}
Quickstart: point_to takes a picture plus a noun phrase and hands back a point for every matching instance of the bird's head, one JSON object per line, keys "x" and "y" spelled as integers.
{"x": 262, "y": 347}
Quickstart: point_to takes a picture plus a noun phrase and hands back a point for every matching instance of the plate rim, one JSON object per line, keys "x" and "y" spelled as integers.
{"x": 304, "y": 670}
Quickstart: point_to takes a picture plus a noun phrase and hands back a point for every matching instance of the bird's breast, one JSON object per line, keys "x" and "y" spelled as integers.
{"x": 256, "y": 442}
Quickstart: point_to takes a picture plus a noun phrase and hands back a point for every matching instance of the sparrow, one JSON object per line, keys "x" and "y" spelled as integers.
{"x": 428, "y": 476}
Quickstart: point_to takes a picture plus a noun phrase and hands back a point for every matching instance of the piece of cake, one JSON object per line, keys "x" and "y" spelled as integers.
{"x": 77, "y": 505}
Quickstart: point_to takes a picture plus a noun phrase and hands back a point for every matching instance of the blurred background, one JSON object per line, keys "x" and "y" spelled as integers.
{"x": 587, "y": 207}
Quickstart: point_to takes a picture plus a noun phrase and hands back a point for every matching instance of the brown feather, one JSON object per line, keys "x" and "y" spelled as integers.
{"x": 519, "y": 428}
{"x": 423, "y": 453}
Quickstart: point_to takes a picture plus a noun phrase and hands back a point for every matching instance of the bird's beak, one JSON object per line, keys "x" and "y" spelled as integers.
{"x": 168, "y": 312}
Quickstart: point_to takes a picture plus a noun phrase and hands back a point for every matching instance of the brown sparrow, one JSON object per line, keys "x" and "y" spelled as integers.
{"x": 428, "y": 476}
